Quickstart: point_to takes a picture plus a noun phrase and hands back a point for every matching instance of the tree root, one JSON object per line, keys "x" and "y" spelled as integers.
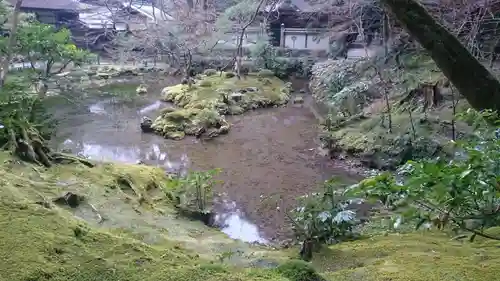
{"x": 60, "y": 157}
{"x": 28, "y": 145}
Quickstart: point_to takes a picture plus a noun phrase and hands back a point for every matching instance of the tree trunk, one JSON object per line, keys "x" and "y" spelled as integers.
{"x": 5, "y": 63}
{"x": 385, "y": 35}
{"x": 239, "y": 47}
{"x": 470, "y": 77}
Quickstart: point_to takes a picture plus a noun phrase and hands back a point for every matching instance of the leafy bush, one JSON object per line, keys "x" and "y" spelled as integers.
{"x": 322, "y": 216}
{"x": 210, "y": 72}
{"x": 321, "y": 219}
{"x": 195, "y": 189}
{"x": 229, "y": 74}
{"x": 463, "y": 193}
{"x": 19, "y": 108}
{"x": 205, "y": 83}
{"x": 267, "y": 57}
{"x": 265, "y": 73}
{"x": 297, "y": 270}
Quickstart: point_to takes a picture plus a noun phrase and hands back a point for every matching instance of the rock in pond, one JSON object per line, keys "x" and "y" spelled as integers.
{"x": 204, "y": 103}
{"x": 174, "y": 135}
{"x": 237, "y": 97}
{"x": 142, "y": 89}
{"x": 298, "y": 100}
{"x": 146, "y": 125}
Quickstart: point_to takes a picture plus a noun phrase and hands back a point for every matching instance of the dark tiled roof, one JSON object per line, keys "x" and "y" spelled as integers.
{"x": 49, "y": 4}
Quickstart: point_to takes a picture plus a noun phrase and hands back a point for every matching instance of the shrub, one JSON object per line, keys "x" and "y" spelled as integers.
{"x": 266, "y": 73}
{"x": 205, "y": 83}
{"x": 210, "y": 72}
{"x": 297, "y": 270}
{"x": 461, "y": 194}
{"x": 229, "y": 74}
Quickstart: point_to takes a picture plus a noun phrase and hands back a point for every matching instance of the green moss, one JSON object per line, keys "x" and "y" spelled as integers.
{"x": 297, "y": 270}
{"x": 204, "y": 104}
{"x": 409, "y": 257}
{"x": 178, "y": 123}
{"x": 428, "y": 131}
{"x": 40, "y": 240}
{"x": 266, "y": 73}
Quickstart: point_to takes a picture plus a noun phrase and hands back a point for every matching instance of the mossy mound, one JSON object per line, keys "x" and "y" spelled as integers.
{"x": 43, "y": 239}
{"x": 201, "y": 106}
{"x": 298, "y": 270}
{"x": 176, "y": 123}
{"x": 410, "y": 257}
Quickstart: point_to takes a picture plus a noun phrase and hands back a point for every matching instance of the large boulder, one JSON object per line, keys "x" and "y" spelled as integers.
{"x": 147, "y": 125}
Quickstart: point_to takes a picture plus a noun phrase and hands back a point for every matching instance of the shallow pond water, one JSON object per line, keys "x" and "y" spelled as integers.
{"x": 269, "y": 158}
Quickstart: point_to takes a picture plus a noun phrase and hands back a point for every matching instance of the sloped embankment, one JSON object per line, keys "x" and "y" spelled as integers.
{"x": 115, "y": 223}
{"x": 419, "y": 100}
{"x": 111, "y": 222}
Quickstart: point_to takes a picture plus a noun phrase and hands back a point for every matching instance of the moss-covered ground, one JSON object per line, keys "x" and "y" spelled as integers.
{"x": 203, "y": 105}
{"x": 139, "y": 238}
{"x": 425, "y": 128}
{"x": 404, "y": 257}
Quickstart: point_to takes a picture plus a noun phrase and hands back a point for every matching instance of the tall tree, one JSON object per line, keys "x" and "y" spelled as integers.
{"x": 238, "y": 19}
{"x": 7, "y": 57}
{"x": 471, "y": 78}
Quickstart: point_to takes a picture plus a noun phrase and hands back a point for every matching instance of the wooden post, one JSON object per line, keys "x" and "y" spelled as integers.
{"x": 282, "y": 36}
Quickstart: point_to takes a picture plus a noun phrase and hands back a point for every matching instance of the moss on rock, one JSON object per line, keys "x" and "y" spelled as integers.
{"x": 202, "y": 106}
{"x": 188, "y": 121}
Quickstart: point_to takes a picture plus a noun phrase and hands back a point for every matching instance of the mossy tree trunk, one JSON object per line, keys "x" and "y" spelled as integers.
{"x": 470, "y": 77}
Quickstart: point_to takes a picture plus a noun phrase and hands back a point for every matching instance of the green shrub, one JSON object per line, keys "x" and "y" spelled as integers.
{"x": 210, "y": 72}
{"x": 205, "y": 83}
{"x": 229, "y": 74}
{"x": 265, "y": 73}
{"x": 297, "y": 270}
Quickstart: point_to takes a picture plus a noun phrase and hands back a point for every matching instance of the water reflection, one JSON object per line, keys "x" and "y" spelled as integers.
{"x": 232, "y": 222}
{"x": 155, "y": 106}
{"x": 130, "y": 155}
{"x": 230, "y": 219}
{"x": 98, "y": 108}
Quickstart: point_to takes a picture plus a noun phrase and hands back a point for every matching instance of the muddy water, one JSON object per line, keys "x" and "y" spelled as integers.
{"x": 269, "y": 158}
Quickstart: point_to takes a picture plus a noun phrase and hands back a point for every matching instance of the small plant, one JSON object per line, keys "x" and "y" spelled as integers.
{"x": 321, "y": 218}
{"x": 195, "y": 191}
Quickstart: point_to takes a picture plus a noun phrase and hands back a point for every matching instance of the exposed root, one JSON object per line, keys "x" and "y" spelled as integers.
{"x": 59, "y": 157}
{"x": 27, "y": 144}
{"x": 100, "y": 219}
